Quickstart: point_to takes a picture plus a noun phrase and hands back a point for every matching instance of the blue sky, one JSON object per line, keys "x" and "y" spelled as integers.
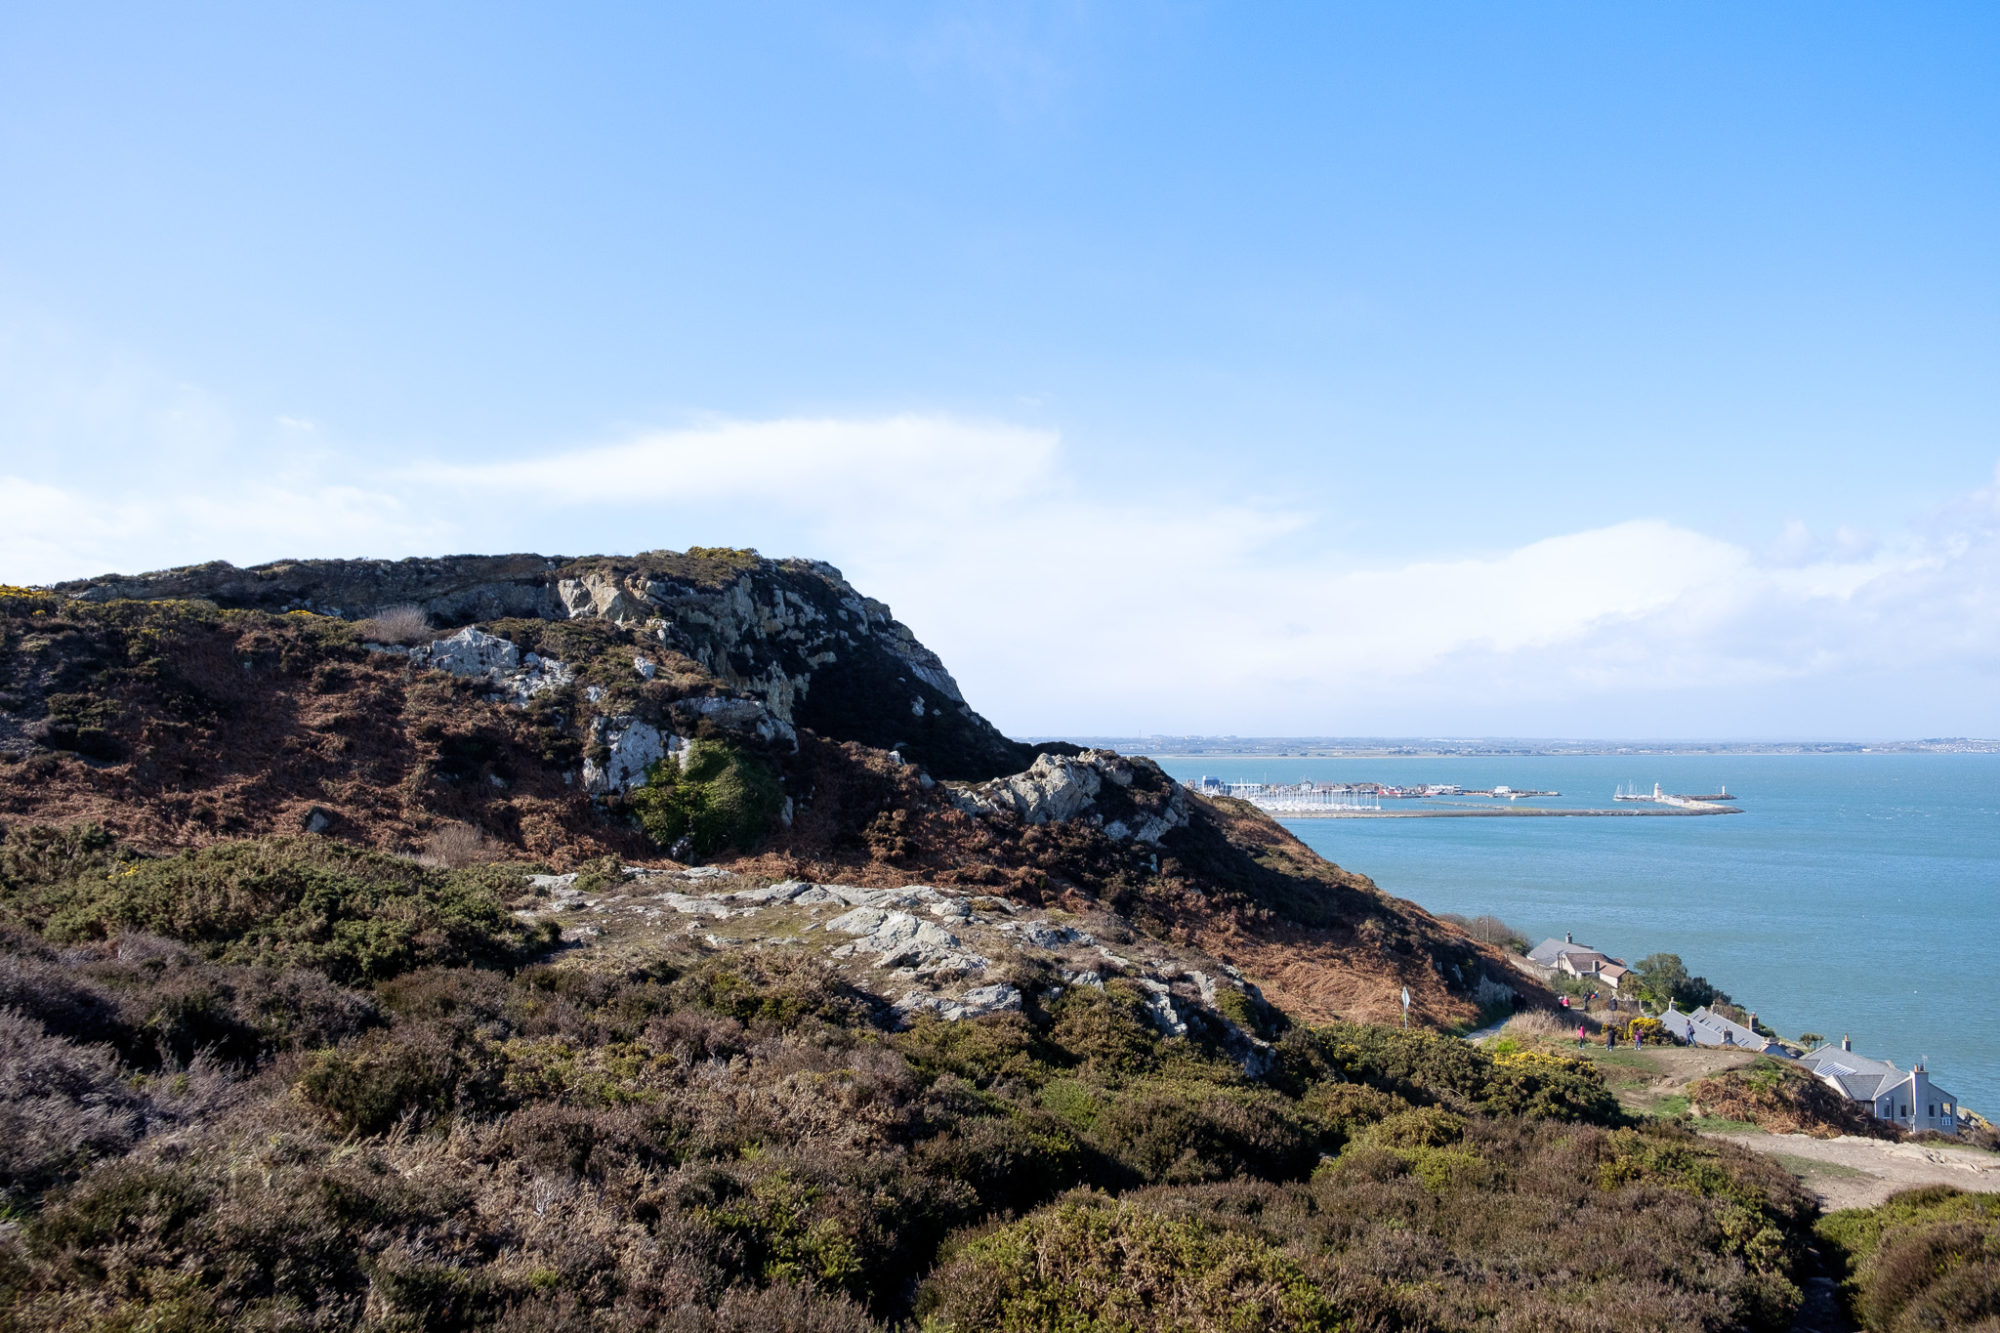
{"x": 1529, "y": 369}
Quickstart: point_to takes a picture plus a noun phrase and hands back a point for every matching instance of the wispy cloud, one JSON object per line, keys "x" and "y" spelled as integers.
{"x": 1064, "y": 606}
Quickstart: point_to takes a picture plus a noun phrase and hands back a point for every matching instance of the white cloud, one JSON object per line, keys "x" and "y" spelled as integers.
{"x": 810, "y": 465}
{"x": 1063, "y": 608}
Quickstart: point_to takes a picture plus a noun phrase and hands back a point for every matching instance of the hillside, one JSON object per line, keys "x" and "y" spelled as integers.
{"x": 664, "y": 942}
{"x": 179, "y": 708}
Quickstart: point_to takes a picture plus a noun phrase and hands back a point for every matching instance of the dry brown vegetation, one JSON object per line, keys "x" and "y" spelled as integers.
{"x": 454, "y": 846}
{"x": 404, "y": 624}
{"x": 1780, "y": 1097}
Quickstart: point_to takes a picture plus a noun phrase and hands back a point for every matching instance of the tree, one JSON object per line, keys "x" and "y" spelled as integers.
{"x": 1661, "y": 976}
{"x": 1664, "y": 980}
{"x": 1810, "y": 1039}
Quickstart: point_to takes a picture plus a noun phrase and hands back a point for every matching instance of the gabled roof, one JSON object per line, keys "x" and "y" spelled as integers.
{"x": 1551, "y": 949}
{"x": 1824, "y": 1059}
{"x": 1704, "y": 1027}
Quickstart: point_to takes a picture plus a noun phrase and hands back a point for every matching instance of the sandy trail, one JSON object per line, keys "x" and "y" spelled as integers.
{"x": 1850, "y": 1172}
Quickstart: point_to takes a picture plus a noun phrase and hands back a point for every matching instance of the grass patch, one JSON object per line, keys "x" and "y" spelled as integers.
{"x": 1806, "y": 1167}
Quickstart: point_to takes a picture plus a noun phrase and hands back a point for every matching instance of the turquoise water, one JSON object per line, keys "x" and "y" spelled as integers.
{"x": 1856, "y": 893}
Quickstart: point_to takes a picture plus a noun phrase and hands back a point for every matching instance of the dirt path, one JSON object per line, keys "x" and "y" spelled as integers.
{"x": 1852, "y": 1172}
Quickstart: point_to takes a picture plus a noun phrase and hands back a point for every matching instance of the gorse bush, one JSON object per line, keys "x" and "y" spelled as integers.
{"x": 356, "y": 916}
{"x": 720, "y": 797}
{"x": 1105, "y": 1267}
{"x": 1927, "y": 1259}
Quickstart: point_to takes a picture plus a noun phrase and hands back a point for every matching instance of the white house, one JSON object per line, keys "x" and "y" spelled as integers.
{"x": 1902, "y": 1097}
{"x": 1568, "y": 957}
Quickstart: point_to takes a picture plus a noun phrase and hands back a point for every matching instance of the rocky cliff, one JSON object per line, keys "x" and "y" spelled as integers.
{"x": 790, "y": 633}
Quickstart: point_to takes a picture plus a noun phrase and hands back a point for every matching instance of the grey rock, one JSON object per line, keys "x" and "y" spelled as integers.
{"x": 474, "y": 654}
{"x": 633, "y": 747}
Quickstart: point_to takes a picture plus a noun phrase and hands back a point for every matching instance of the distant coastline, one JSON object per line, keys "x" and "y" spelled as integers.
{"x": 1505, "y": 812}
{"x": 1365, "y": 747}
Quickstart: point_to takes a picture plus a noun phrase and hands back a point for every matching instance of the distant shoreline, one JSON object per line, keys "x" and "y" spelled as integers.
{"x": 1501, "y": 812}
{"x": 1331, "y": 747}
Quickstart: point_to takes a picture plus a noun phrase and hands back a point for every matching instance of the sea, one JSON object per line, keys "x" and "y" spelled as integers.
{"x": 1856, "y": 894}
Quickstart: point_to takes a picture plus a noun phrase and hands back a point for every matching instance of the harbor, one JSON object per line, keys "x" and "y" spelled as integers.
{"x": 1366, "y": 800}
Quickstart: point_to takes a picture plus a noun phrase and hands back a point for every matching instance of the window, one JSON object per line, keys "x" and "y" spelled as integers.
{"x": 1932, "y": 1111}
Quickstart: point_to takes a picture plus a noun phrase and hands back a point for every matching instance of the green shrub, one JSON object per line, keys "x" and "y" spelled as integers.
{"x": 1929, "y": 1258}
{"x": 1107, "y": 1031}
{"x": 355, "y": 915}
{"x": 1182, "y": 1133}
{"x": 721, "y": 798}
{"x": 776, "y": 988}
{"x": 370, "y": 1085}
{"x": 1549, "y": 1087}
{"x": 1765, "y": 1211}
{"x": 1430, "y": 1066}
{"x": 1096, "y": 1267}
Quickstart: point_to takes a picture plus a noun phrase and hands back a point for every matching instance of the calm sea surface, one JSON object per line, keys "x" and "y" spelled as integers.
{"x": 1856, "y": 893}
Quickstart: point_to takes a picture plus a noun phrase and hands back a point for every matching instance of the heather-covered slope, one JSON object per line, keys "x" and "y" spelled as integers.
{"x": 662, "y": 943}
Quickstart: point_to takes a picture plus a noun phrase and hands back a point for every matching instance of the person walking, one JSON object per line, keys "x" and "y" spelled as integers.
{"x": 1579, "y": 1036}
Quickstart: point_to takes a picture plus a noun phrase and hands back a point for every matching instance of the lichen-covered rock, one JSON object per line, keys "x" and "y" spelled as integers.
{"x": 628, "y": 748}
{"x": 1132, "y": 798}
{"x": 902, "y": 940}
{"x": 745, "y": 717}
{"x": 475, "y": 654}
{"x": 1054, "y": 788}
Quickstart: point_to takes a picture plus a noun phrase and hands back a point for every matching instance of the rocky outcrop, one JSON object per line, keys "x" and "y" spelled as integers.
{"x": 474, "y": 654}
{"x": 791, "y": 633}
{"x": 620, "y": 752}
{"x": 949, "y": 953}
{"x": 1128, "y": 798}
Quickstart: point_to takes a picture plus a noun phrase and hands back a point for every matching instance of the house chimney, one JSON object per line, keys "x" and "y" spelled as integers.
{"x": 1846, "y": 1042}
{"x": 1568, "y": 938}
{"x": 1752, "y": 1024}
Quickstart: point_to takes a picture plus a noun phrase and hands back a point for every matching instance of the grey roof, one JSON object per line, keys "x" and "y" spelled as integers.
{"x": 1847, "y": 1064}
{"x": 1704, "y": 1027}
{"x": 1550, "y": 950}
{"x": 1863, "y": 1078}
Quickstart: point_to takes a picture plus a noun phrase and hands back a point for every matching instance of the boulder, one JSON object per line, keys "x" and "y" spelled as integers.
{"x": 902, "y": 940}
{"x": 1136, "y": 800}
{"x": 630, "y": 747}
